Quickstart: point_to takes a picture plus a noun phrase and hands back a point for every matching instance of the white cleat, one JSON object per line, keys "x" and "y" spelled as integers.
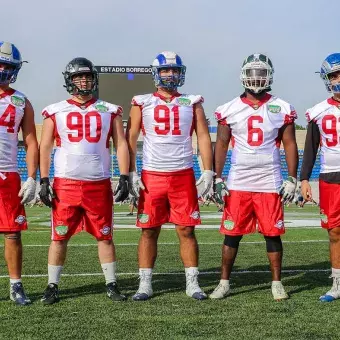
{"x": 279, "y": 292}
{"x": 220, "y": 292}
{"x": 193, "y": 289}
{"x": 333, "y": 293}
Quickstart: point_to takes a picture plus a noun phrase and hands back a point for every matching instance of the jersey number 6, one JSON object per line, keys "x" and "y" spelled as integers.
{"x": 252, "y": 131}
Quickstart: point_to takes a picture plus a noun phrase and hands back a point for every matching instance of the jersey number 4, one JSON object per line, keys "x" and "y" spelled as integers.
{"x": 162, "y": 115}
{"x": 76, "y": 122}
{"x": 8, "y": 118}
{"x": 254, "y": 130}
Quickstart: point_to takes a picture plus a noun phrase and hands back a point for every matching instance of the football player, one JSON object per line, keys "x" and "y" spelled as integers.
{"x": 324, "y": 129}
{"x": 15, "y": 111}
{"x": 255, "y": 122}
{"x": 168, "y": 191}
{"x": 81, "y": 198}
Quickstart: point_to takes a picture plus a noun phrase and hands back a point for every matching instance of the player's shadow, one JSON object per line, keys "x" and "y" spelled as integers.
{"x": 255, "y": 278}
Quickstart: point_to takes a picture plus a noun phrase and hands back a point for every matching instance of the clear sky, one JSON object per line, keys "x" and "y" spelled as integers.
{"x": 212, "y": 37}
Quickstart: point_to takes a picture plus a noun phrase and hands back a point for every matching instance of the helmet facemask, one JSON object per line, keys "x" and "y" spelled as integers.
{"x": 170, "y": 82}
{"x": 257, "y": 73}
{"x": 81, "y": 78}
{"x": 9, "y": 75}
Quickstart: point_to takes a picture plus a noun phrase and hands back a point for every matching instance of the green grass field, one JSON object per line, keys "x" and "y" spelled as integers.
{"x": 85, "y": 312}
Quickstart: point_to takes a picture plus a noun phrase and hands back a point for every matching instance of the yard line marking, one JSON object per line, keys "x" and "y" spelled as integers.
{"x": 171, "y": 243}
{"x": 180, "y": 273}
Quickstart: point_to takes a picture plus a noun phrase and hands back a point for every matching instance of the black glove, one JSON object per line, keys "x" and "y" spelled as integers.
{"x": 122, "y": 189}
{"x": 46, "y": 192}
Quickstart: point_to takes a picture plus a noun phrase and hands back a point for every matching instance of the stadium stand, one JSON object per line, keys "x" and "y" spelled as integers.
{"x": 115, "y": 170}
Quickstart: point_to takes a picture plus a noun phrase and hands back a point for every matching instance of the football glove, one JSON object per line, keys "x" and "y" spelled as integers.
{"x": 220, "y": 191}
{"x": 122, "y": 189}
{"x": 46, "y": 193}
{"x": 287, "y": 190}
{"x": 298, "y": 198}
{"x": 206, "y": 179}
{"x": 136, "y": 184}
{"x": 27, "y": 191}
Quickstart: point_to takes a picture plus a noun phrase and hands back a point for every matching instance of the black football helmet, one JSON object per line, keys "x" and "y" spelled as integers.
{"x": 77, "y": 66}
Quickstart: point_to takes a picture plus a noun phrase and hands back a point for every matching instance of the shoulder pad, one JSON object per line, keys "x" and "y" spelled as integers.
{"x": 314, "y": 112}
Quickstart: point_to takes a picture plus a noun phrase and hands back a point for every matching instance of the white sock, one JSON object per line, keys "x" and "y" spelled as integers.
{"x": 224, "y": 283}
{"x": 145, "y": 274}
{"x": 13, "y": 281}
{"x": 191, "y": 271}
{"x": 335, "y": 272}
{"x": 275, "y": 282}
{"x": 109, "y": 270}
{"x": 54, "y": 273}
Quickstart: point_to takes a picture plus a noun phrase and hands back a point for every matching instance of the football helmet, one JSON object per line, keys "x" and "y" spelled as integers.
{"x": 9, "y": 55}
{"x": 331, "y": 64}
{"x": 257, "y": 73}
{"x": 165, "y": 60}
{"x": 79, "y": 66}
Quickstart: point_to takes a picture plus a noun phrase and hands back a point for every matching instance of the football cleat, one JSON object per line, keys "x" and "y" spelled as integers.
{"x": 51, "y": 294}
{"x": 279, "y": 292}
{"x": 143, "y": 293}
{"x": 17, "y": 294}
{"x": 193, "y": 289}
{"x": 113, "y": 293}
{"x": 333, "y": 293}
{"x": 220, "y": 292}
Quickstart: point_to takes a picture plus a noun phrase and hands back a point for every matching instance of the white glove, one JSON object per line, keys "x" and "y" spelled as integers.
{"x": 135, "y": 184}
{"x": 287, "y": 190}
{"x": 27, "y": 191}
{"x": 221, "y": 190}
{"x": 207, "y": 178}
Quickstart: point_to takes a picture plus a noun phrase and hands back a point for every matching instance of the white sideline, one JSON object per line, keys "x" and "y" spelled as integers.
{"x": 181, "y": 273}
{"x": 170, "y": 243}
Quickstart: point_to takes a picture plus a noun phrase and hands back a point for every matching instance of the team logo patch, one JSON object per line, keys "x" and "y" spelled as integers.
{"x": 143, "y": 218}
{"x": 20, "y": 219}
{"x": 274, "y": 108}
{"x": 184, "y": 101}
{"x": 279, "y": 224}
{"x": 61, "y": 230}
{"x": 323, "y": 216}
{"x": 17, "y": 101}
{"x": 106, "y": 230}
{"x": 101, "y": 107}
{"x": 228, "y": 224}
{"x": 195, "y": 215}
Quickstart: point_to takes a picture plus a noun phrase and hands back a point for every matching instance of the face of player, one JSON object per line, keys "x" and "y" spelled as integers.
{"x": 83, "y": 81}
{"x": 170, "y": 76}
{"x": 257, "y": 77}
{"x": 5, "y": 67}
{"x": 334, "y": 78}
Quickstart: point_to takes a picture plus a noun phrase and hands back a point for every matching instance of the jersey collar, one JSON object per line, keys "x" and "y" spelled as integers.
{"x": 82, "y": 105}
{"x": 7, "y": 92}
{"x": 334, "y": 102}
{"x": 264, "y": 100}
{"x": 166, "y": 99}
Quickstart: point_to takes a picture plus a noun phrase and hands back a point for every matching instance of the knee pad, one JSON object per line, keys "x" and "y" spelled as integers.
{"x": 232, "y": 241}
{"x": 274, "y": 244}
{"x": 13, "y": 236}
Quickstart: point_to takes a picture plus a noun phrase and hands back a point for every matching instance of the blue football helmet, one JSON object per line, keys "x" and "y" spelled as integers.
{"x": 10, "y": 55}
{"x": 331, "y": 64}
{"x": 164, "y": 60}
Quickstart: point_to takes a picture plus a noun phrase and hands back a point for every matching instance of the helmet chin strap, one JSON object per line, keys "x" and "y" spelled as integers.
{"x": 258, "y": 94}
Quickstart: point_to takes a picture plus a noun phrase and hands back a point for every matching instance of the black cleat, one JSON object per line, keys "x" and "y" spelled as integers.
{"x": 51, "y": 294}
{"x": 113, "y": 293}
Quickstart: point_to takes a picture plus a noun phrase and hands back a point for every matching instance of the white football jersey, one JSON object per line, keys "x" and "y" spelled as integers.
{"x": 167, "y": 126}
{"x": 327, "y": 116}
{"x": 82, "y": 134}
{"x": 255, "y": 160}
{"x": 12, "y": 105}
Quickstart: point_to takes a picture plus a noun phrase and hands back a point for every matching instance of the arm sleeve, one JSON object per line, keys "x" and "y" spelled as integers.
{"x": 311, "y": 149}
